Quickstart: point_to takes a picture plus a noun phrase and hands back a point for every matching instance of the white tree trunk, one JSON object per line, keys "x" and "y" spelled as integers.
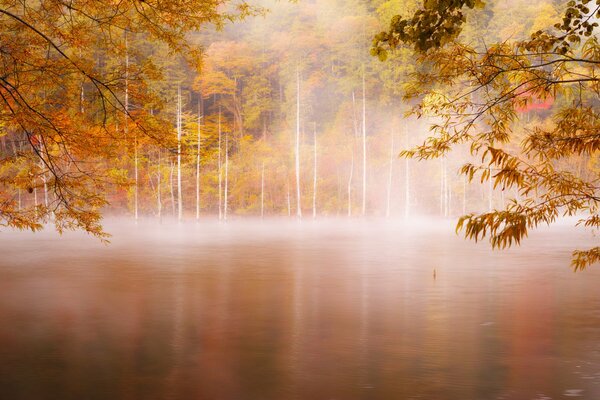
{"x": 45, "y": 190}
{"x": 44, "y": 177}
{"x": 406, "y": 181}
{"x": 219, "y": 171}
{"x": 444, "y": 209}
{"x": 126, "y": 128}
{"x": 172, "y": 168}
{"x": 226, "y": 205}
{"x": 406, "y": 188}
{"x": 198, "y": 165}
{"x": 391, "y": 172}
{"x": 297, "y": 148}
{"x": 364, "y": 144}
{"x": 356, "y": 133}
{"x": 159, "y": 188}
{"x": 179, "y": 194}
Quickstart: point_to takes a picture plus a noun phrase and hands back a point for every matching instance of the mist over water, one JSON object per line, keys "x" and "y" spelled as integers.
{"x": 283, "y": 309}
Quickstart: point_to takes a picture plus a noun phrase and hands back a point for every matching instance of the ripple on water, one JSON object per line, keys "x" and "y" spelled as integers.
{"x": 573, "y": 392}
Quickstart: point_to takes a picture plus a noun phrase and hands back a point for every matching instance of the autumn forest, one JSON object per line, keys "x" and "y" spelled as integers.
{"x": 269, "y": 109}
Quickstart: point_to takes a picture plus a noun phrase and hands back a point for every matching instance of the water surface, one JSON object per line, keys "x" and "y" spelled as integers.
{"x": 287, "y": 310}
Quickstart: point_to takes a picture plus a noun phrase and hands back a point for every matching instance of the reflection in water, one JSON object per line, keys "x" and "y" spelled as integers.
{"x": 295, "y": 311}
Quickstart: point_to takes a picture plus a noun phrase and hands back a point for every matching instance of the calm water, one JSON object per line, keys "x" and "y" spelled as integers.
{"x": 331, "y": 310}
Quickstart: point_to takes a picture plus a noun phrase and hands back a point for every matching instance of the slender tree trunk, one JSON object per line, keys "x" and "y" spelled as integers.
{"x": 315, "y": 172}
{"x": 198, "y": 165}
{"x": 406, "y": 188}
{"x": 44, "y": 180}
{"x": 262, "y": 191}
{"x": 406, "y": 182}
{"x": 179, "y": 194}
{"x": 126, "y": 128}
{"x": 158, "y": 187}
{"x": 81, "y": 99}
{"x": 297, "y": 148}
{"x": 364, "y": 144}
{"x": 135, "y": 172}
{"x": 444, "y": 188}
{"x": 226, "y": 175}
{"x": 389, "y": 185}
{"x": 18, "y": 189}
{"x": 172, "y": 168}
{"x": 356, "y": 134}
{"x": 219, "y": 171}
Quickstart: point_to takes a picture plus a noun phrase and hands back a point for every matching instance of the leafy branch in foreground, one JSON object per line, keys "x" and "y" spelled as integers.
{"x": 477, "y": 93}
{"x": 70, "y": 98}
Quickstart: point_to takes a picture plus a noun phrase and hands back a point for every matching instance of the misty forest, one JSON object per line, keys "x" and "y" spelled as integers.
{"x": 303, "y": 199}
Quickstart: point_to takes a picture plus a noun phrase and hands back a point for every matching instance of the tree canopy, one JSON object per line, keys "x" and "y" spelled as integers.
{"x": 76, "y": 86}
{"x": 476, "y": 92}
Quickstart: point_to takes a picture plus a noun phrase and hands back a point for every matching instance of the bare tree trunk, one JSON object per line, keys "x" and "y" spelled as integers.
{"x": 364, "y": 143}
{"x": 297, "y": 148}
{"x": 406, "y": 188}
{"x": 226, "y": 206}
{"x": 356, "y": 133}
{"x": 126, "y": 128}
{"x": 171, "y": 187}
{"x": 389, "y": 185}
{"x": 179, "y": 194}
{"x": 219, "y": 170}
{"x": 315, "y": 172}
{"x": 406, "y": 182}
{"x": 44, "y": 180}
{"x": 158, "y": 187}
{"x": 198, "y": 166}
{"x": 444, "y": 188}
{"x": 18, "y": 189}
{"x": 262, "y": 191}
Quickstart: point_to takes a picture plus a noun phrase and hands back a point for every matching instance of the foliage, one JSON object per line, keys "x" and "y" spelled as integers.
{"x": 66, "y": 67}
{"x": 476, "y": 94}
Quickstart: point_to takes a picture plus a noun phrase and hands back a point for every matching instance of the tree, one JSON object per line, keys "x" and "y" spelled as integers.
{"x": 477, "y": 94}
{"x": 62, "y": 90}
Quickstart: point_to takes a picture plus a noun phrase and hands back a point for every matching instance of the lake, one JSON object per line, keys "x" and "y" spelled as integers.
{"x": 296, "y": 310}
